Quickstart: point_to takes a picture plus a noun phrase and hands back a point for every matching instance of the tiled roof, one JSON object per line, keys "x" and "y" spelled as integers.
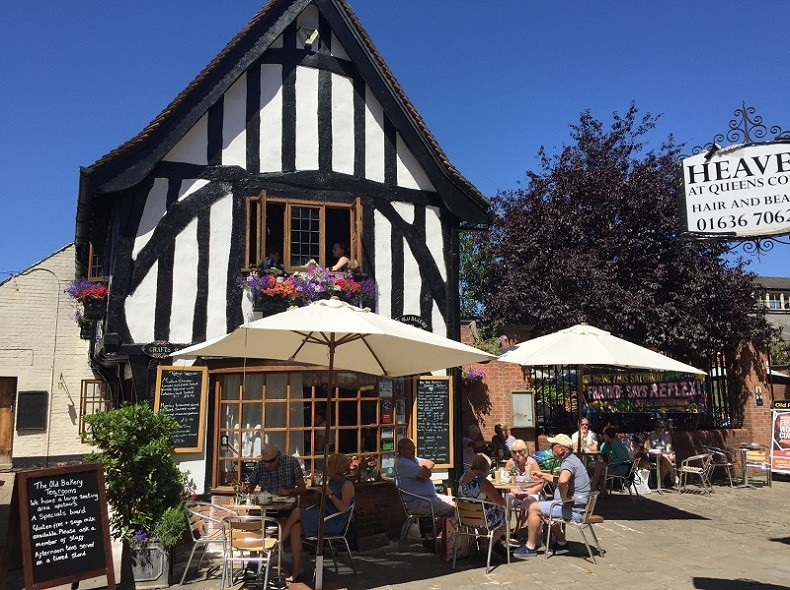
{"x": 779, "y": 283}
{"x": 179, "y": 101}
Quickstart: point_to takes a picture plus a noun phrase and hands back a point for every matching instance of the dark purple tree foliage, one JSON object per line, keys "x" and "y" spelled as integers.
{"x": 595, "y": 236}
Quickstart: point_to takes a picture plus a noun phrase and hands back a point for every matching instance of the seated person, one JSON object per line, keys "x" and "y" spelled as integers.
{"x": 572, "y": 488}
{"x": 473, "y": 443}
{"x": 660, "y": 444}
{"x": 524, "y": 464}
{"x": 474, "y": 484}
{"x": 272, "y": 262}
{"x": 339, "y": 496}
{"x": 340, "y": 252}
{"x": 501, "y": 441}
{"x": 589, "y": 438}
{"x": 277, "y": 473}
{"x": 413, "y": 475}
{"x": 615, "y": 454}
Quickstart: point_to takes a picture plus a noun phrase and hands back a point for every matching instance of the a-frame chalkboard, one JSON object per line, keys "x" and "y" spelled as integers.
{"x": 181, "y": 391}
{"x": 58, "y": 520}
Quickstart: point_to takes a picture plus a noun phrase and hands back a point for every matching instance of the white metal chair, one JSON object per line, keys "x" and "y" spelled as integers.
{"x": 204, "y": 522}
{"x": 473, "y": 521}
{"x": 415, "y": 507}
{"x": 758, "y": 460}
{"x": 586, "y": 521}
{"x": 698, "y": 466}
{"x": 250, "y": 540}
{"x": 627, "y": 481}
{"x": 722, "y": 459}
{"x": 348, "y": 513}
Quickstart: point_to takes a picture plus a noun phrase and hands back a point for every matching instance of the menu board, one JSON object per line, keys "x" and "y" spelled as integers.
{"x": 60, "y": 517}
{"x": 181, "y": 391}
{"x": 433, "y": 420}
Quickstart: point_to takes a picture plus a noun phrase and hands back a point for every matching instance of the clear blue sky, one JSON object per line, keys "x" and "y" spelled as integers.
{"x": 493, "y": 80}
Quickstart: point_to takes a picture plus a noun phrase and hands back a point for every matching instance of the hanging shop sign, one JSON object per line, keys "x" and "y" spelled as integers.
{"x": 739, "y": 191}
{"x": 639, "y": 395}
{"x": 415, "y": 320}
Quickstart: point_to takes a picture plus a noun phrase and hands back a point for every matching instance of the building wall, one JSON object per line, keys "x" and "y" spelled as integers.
{"x": 41, "y": 347}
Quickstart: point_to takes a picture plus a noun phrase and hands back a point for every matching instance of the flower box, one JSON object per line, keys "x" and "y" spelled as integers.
{"x": 86, "y": 330}
{"x": 267, "y": 304}
{"x": 94, "y": 308}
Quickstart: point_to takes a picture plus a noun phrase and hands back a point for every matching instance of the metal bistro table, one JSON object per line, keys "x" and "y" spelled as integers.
{"x": 655, "y": 456}
{"x": 508, "y": 488}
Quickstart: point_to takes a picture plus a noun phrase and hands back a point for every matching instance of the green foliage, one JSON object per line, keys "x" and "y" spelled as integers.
{"x": 780, "y": 351}
{"x": 595, "y": 236}
{"x": 476, "y": 259}
{"x": 171, "y": 526}
{"x": 489, "y": 345}
{"x": 143, "y": 481}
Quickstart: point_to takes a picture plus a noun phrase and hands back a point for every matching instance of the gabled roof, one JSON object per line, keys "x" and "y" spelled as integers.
{"x": 132, "y": 161}
{"x": 773, "y": 283}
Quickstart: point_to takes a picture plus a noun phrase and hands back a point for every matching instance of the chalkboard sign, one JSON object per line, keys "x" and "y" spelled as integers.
{"x": 433, "y": 420}
{"x": 59, "y": 519}
{"x": 247, "y": 469}
{"x": 181, "y": 391}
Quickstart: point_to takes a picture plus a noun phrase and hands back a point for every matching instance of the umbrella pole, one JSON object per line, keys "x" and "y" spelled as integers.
{"x": 579, "y": 403}
{"x": 319, "y": 550}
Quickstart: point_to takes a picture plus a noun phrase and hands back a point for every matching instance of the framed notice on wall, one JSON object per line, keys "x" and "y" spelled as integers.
{"x": 433, "y": 420}
{"x": 181, "y": 391}
{"x": 522, "y": 409}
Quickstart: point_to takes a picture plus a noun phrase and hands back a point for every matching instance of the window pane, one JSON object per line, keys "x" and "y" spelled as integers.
{"x": 305, "y": 235}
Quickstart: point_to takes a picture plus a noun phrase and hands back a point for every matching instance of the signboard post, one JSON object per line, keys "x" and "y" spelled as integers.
{"x": 182, "y": 391}
{"x": 58, "y": 519}
{"x": 433, "y": 420}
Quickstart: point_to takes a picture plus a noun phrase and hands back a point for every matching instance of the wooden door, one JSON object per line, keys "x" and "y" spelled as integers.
{"x": 7, "y": 394}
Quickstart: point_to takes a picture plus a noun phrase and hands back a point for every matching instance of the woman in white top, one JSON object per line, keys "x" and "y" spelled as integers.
{"x": 589, "y": 438}
{"x": 659, "y": 444}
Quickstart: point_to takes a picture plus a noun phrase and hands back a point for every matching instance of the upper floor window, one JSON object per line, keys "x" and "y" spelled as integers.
{"x": 301, "y": 231}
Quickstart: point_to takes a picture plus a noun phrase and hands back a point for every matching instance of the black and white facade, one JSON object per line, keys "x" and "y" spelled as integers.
{"x": 298, "y": 115}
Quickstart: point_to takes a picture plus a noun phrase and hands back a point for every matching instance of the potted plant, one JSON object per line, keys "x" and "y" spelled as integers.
{"x": 145, "y": 487}
{"x": 86, "y": 325}
{"x": 270, "y": 293}
{"x": 91, "y": 295}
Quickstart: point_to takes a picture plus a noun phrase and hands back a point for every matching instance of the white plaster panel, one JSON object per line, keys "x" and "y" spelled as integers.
{"x": 411, "y": 270}
{"x": 338, "y": 50}
{"x": 140, "y": 307}
{"x": 271, "y": 132}
{"x": 410, "y": 173}
{"x": 306, "y": 118}
{"x": 221, "y": 222}
{"x": 189, "y": 186}
{"x": 433, "y": 238}
{"x": 383, "y": 249}
{"x": 153, "y": 211}
{"x": 234, "y": 124}
{"x": 342, "y": 124}
{"x": 374, "y": 138}
{"x": 192, "y": 148}
{"x": 185, "y": 263}
{"x": 437, "y": 321}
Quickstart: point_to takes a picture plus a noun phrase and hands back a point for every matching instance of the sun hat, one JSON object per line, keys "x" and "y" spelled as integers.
{"x": 561, "y": 439}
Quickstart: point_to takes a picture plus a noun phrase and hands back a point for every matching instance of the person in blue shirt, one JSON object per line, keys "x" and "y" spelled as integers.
{"x": 615, "y": 454}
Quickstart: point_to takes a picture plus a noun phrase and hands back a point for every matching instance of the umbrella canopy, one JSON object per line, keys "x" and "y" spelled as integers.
{"x": 587, "y": 345}
{"x": 340, "y": 336}
{"x": 363, "y": 341}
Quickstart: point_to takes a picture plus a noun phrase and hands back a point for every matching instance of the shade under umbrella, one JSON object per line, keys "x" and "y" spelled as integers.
{"x": 585, "y": 345}
{"x": 340, "y": 336}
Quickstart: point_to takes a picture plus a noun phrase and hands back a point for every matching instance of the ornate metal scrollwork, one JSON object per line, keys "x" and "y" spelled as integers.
{"x": 757, "y": 246}
{"x": 746, "y": 127}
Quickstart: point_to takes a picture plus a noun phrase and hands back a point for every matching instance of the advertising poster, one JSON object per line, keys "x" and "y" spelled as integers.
{"x": 780, "y": 445}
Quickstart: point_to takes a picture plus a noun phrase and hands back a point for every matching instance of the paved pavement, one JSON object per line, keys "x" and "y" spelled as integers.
{"x": 736, "y": 539}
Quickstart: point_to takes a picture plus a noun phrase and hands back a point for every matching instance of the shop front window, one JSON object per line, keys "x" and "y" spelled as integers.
{"x": 288, "y": 409}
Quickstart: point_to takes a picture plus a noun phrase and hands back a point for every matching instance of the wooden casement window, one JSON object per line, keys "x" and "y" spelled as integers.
{"x": 96, "y": 270}
{"x": 301, "y": 231}
{"x": 95, "y": 396}
{"x": 288, "y": 409}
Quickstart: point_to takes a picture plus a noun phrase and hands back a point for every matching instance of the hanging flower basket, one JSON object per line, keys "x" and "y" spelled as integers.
{"x": 268, "y": 305}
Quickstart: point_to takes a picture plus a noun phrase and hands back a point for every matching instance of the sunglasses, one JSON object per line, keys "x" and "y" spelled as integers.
{"x": 520, "y": 452}
{"x": 272, "y": 460}
{"x": 585, "y": 423}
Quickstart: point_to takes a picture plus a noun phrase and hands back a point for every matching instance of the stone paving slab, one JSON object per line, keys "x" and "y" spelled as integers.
{"x": 735, "y": 539}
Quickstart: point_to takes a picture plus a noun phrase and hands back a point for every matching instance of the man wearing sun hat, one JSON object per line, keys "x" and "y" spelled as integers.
{"x": 572, "y": 482}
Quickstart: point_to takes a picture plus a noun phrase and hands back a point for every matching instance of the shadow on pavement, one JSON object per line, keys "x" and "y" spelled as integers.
{"x": 621, "y": 507}
{"x": 741, "y": 584}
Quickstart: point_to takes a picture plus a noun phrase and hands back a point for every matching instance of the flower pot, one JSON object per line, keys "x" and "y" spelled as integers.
{"x": 268, "y": 305}
{"x": 150, "y": 565}
{"x": 94, "y": 308}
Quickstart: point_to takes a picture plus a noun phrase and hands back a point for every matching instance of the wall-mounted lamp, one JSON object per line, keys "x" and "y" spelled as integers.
{"x": 758, "y": 395}
{"x": 309, "y": 38}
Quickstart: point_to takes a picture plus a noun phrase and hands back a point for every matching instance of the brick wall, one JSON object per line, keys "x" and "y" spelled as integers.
{"x": 41, "y": 347}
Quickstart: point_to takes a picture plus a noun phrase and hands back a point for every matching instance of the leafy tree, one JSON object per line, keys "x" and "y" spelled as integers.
{"x": 595, "y": 236}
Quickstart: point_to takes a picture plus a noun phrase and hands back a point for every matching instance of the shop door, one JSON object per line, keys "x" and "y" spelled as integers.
{"x": 7, "y": 394}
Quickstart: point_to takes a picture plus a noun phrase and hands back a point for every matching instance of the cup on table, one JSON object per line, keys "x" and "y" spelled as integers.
{"x": 521, "y": 478}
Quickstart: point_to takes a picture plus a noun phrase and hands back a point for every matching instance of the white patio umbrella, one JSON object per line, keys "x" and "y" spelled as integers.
{"x": 585, "y": 345}
{"x": 337, "y": 335}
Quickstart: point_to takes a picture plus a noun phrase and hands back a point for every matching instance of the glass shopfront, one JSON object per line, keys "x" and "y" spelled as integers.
{"x": 288, "y": 408}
